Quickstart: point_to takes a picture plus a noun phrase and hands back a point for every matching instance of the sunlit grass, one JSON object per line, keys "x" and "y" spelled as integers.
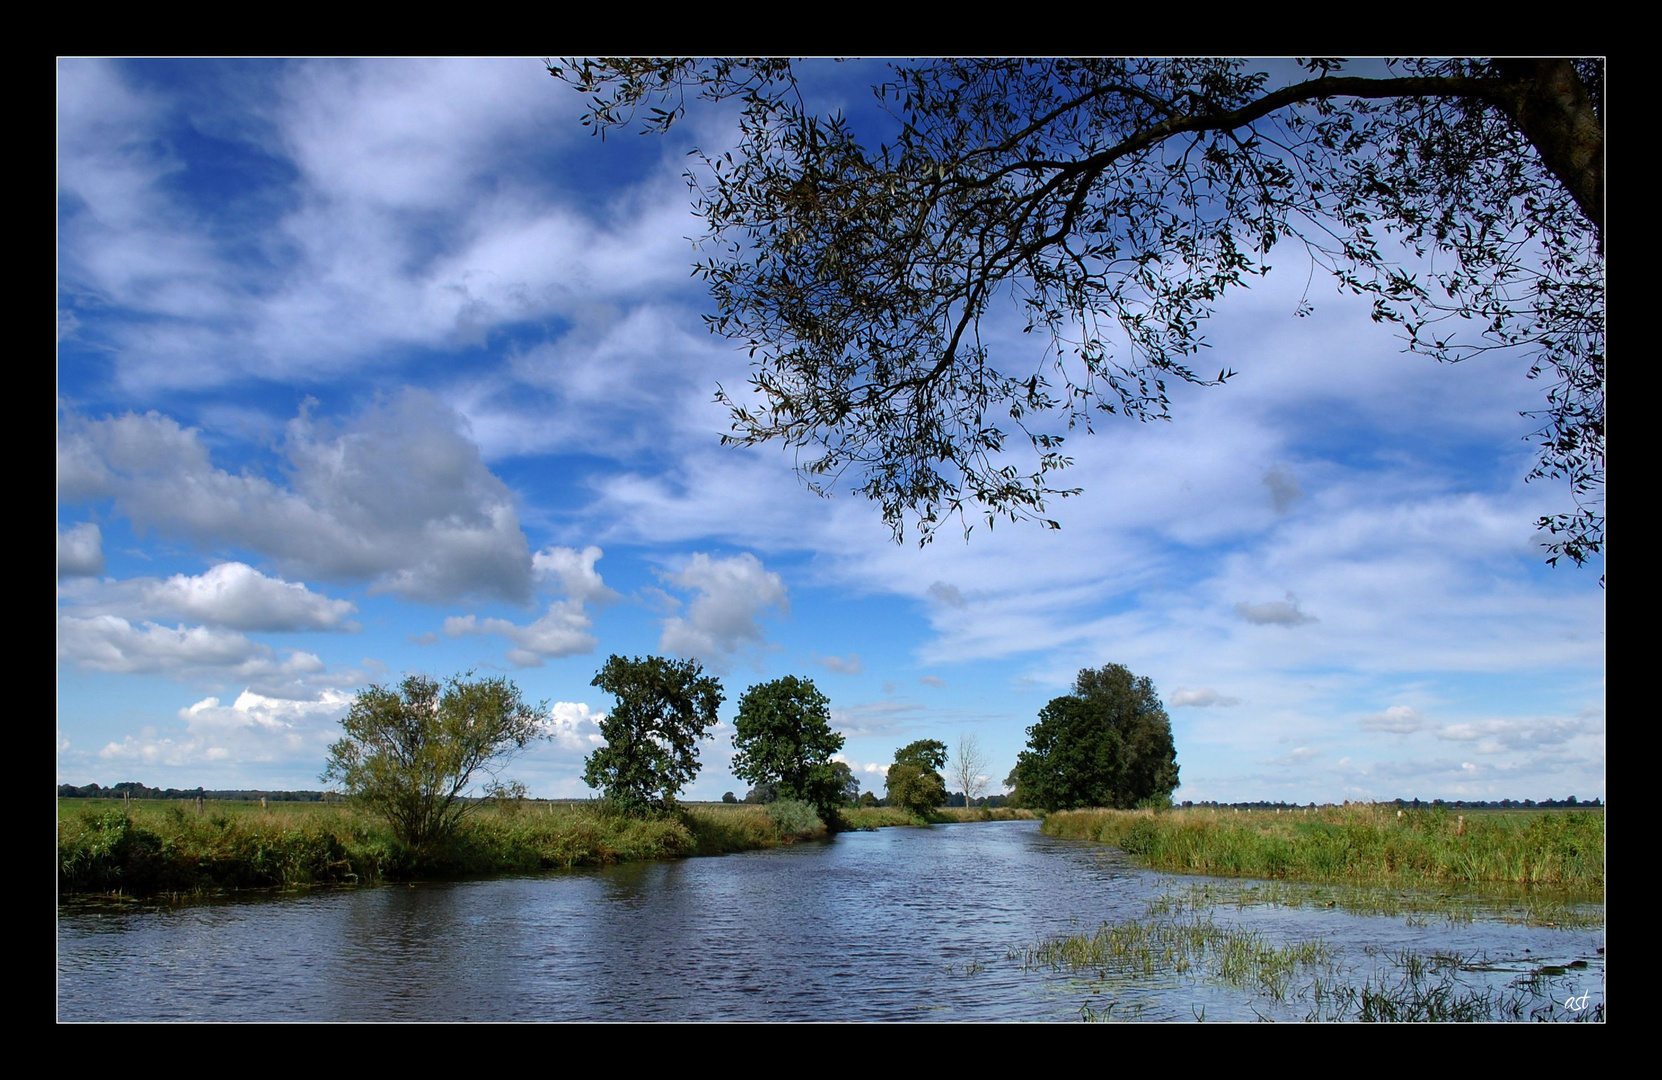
{"x": 1364, "y": 843}
{"x": 151, "y": 847}
{"x": 878, "y": 817}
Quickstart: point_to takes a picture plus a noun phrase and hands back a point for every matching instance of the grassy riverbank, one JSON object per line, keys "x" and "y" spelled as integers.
{"x": 878, "y": 817}
{"x": 1362, "y": 843}
{"x": 144, "y": 848}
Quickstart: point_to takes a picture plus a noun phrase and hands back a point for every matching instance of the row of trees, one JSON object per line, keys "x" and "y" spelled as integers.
{"x": 412, "y": 753}
{"x": 782, "y": 736}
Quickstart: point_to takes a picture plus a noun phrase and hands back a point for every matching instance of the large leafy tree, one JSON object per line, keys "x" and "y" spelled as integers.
{"x": 1109, "y": 743}
{"x": 782, "y": 735}
{"x": 412, "y": 753}
{"x": 1111, "y": 203}
{"x": 914, "y": 781}
{"x": 663, "y": 708}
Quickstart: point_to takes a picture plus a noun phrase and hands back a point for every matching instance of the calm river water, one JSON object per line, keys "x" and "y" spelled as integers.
{"x": 894, "y": 925}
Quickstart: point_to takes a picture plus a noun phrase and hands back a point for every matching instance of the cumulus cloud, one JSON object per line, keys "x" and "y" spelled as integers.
{"x": 237, "y": 596}
{"x": 1400, "y": 719}
{"x": 80, "y": 551}
{"x": 722, "y": 618}
{"x": 1274, "y": 612}
{"x": 252, "y": 728}
{"x": 564, "y": 629}
{"x": 111, "y": 643}
{"x": 574, "y": 726}
{"x": 397, "y": 497}
{"x": 842, "y": 666}
{"x": 561, "y": 632}
{"x": 573, "y": 572}
{"x": 1201, "y": 699}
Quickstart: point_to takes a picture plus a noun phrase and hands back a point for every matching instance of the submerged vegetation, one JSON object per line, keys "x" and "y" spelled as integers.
{"x": 1373, "y": 843}
{"x": 1179, "y": 941}
{"x": 145, "y": 849}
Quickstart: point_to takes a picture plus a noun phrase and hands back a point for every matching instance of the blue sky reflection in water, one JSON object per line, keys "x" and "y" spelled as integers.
{"x": 375, "y": 367}
{"x": 896, "y": 925}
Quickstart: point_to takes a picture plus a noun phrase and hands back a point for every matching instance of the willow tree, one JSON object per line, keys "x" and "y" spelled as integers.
{"x": 1112, "y": 203}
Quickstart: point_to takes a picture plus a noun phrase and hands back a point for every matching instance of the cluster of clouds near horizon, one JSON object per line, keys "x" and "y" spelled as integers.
{"x": 369, "y": 368}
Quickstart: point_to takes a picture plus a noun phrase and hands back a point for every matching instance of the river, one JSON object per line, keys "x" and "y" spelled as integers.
{"x": 893, "y": 925}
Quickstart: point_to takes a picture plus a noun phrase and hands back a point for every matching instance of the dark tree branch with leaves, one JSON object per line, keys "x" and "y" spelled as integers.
{"x": 1113, "y": 203}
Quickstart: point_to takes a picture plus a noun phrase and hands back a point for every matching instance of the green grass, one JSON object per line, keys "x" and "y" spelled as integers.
{"x": 1359, "y": 843}
{"x": 878, "y": 817}
{"x": 149, "y": 848}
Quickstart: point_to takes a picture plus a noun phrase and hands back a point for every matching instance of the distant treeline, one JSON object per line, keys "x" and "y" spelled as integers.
{"x": 1415, "y": 804}
{"x": 131, "y": 789}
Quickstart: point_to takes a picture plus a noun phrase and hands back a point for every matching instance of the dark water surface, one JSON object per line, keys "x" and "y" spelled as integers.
{"x": 894, "y": 925}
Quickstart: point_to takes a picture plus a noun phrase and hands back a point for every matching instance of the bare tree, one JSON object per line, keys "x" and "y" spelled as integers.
{"x": 968, "y": 764}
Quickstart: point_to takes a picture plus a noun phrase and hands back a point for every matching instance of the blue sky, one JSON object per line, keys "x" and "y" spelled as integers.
{"x": 367, "y": 368}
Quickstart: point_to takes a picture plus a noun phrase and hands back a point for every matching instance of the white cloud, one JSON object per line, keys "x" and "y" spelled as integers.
{"x": 253, "y": 728}
{"x": 397, "y": 497}
{"x": 561, "y": 632}
{"x": 236, "y": 595}
{"x": 1201, "y": 699}
{"x": 574, "y": 573}
{"x": 574, "y": 726}
{"x": 80, "y": 551}
{"x": 111, "y": 643}
{"x": 1501, "y": 736}
{"x": 722, "y": 618}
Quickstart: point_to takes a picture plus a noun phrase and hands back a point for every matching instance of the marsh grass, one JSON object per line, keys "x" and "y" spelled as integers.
{"x": 150, "y": 848}
{"x": 1178, "y": 939}
{"x": 1195, "y": 947}
{"x": 1428, "y": 989}
{"x": 1361, "y": 843}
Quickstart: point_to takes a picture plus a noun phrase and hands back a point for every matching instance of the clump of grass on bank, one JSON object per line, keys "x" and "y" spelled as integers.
{"x": 147, "y": 849}
{"x": 1369, "y": 843}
